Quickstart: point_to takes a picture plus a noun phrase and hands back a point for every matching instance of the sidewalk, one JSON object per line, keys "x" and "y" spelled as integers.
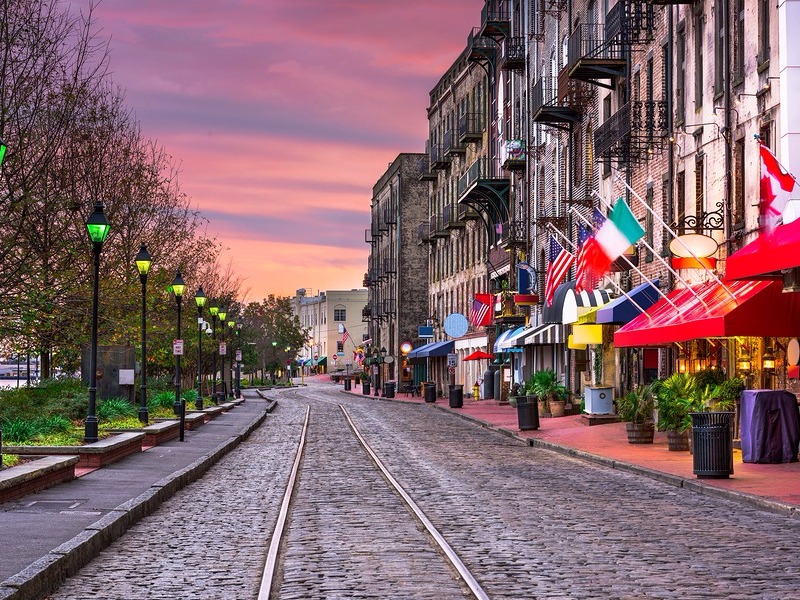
{"x": 773, "y": 487}
{"x": 51, "y": 534}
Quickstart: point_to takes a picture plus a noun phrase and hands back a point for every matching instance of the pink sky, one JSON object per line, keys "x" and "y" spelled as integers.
{"x": 283, "y": 114}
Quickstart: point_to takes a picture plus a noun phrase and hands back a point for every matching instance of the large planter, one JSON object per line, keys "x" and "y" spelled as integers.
{"x": 640, "y": 433}
{"x": 677, "y": 441}
{"x": 527, "y": 414}
{"x": 557, "y": 407}
{"x": 544, "y": 408}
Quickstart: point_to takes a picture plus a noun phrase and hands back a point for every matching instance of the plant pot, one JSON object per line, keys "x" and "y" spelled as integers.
{"x": 677, "y": 441}
{"x": 557, "y": 408}
{"x": 640, "y": 433}
{"x": 527, "y": 414}
{"x": 544, "y": 409}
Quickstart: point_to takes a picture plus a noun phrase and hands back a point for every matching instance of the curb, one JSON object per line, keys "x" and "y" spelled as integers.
{"x": 44, "y": 575}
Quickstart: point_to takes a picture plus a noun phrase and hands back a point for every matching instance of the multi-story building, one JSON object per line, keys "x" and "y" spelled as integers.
{"x": 325, "y": 317}
{"x": 555, "y": 110}
{"x": 398, "y": 264}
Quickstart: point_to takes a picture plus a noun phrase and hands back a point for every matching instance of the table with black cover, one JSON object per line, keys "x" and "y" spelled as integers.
{"x": 770, "y": 426}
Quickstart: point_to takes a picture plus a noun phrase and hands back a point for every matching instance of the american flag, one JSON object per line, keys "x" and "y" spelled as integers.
{"x": 480, "y": 315}
{"x": 583, "y": 279}
{"x": 345, "y": 335}
{"x": 560, "y": 262}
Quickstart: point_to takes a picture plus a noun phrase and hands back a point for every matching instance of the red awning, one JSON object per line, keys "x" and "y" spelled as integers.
{"x": 759, "y": 309}
{"x": 767, "y": 255}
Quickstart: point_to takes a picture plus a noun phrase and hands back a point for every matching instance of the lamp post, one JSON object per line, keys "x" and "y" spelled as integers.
{"x": 231, "y": 325}
{"x": 200, "y": 300}
{"x": 98, "y": 227}
{"x": 178, "y": 287}
{"x": 223, "y": 349}
{"x": 377, "y": 359}
{"x": 275, "y": 354}
{"x": 239, "y": 325}
{"x": 143, "y": 262}
{"x": 214, "y": 310}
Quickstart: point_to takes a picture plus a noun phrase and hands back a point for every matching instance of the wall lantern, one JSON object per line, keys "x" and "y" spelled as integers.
{"x": 768, "y": 360}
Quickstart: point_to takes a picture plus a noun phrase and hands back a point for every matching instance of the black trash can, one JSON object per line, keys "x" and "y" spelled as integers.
{"x": 712, "y": 444}
{"x": 347, "y": 384}
{"x": 365, "y": 388}
{"x": 528, "y": 413}
{"x": 430, "y": 391}
{"x": 388, "y": 389}
{"x": 456, "y": 396}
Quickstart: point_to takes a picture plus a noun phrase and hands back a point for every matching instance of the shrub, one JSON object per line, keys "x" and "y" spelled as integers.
{"x": 190, "y": 395}
{"x": 162, "y": 400}
{"x": 111, "y": 409}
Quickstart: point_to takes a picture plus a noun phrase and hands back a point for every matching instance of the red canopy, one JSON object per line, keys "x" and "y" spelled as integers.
{"x": 758, "y": 308}
{"x": 767, "y": 255}
{"x": 478, "y": 355}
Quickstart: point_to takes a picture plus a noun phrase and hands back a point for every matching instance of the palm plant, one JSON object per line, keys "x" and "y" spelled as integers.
{"x": 676, "y": 397}
{"x": 545, "y": 384}
{"x": 637, "y": 405}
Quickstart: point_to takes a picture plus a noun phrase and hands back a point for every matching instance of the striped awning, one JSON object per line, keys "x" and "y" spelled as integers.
{"x": 568, "y": 305}
{"x": 550, "y": 333}
{"x": 510, "y": 342}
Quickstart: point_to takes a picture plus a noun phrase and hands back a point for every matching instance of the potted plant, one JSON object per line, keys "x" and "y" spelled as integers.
{"x": 676, "y": 397}
{"x": 546, "y": 386}
{"x": 636, "y": 409}
{"x": 365, "y": 383}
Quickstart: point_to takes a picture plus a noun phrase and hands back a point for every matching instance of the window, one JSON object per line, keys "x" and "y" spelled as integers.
{"x": 739, "y": 178}
{"x": 680, "y": 78}
{"x": 340, "y": 346}
{"x": 339, "y": 314}
{"x": 738, "y": 41}
{"x": 577, "y": 153}
{"x": 719, "y": 51}
{"x": 680, "y": 184}
{"x": 606, "y": 115}
{"x": 648, "y": 224}
{"x": 699, "y": 200}
{"x": 698, "y": 60}
{"x": 763, "y": 32}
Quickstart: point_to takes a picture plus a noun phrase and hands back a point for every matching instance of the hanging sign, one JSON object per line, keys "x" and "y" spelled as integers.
{"x": 177, "y": 347}
{"x": 223, "y": 349}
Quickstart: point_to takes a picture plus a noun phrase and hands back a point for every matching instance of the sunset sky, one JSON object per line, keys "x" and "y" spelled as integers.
{"x": 283, "y": 114}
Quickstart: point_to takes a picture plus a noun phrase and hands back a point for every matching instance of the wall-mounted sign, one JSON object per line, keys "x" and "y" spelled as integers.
{"x": 425, "y": 331}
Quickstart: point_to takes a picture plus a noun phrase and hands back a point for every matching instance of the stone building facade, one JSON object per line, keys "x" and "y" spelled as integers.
{"x": 398, "y": 263}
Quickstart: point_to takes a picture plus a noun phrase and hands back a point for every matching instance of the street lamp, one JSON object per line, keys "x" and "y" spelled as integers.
{"x": 231, "y": 324}
{"x": 377, "y": 359}
{"x": 213, "y": 309}
{"x": 98, "y": 227}
{"x": 143, "y": 262}
{"x": 223, "y": 349}
{"x": 178, "y": 287}
{"x": 274, "y": 345}
{"x": 239, "y": 325}
{"x": 200, "y": 300}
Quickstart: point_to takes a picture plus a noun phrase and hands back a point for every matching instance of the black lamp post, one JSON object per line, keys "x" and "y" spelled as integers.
{"x": 214, "y": 310}
{"x": 231, "y": 325}
{"x": 377, "y": 359}
{"x": 239, "y": 325}
{"x": 223, "y": 350}
{"x": 178, "y": 287}
{"x": 200, "y": 300}
{"x": 143, "y": 262}
{"x": 98, "y": 227}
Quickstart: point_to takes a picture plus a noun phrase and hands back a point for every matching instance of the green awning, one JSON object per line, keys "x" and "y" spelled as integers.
{"x": 322, "y": 361}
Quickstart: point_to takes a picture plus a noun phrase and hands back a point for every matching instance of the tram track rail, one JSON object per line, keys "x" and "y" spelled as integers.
{"x": 438, "y": 541}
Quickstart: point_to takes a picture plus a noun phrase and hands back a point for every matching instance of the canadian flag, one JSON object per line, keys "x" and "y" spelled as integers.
{"x": 777, "y": 185}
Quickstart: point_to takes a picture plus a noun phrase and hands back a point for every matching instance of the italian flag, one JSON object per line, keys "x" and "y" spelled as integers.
{"x": 618, "y": 232}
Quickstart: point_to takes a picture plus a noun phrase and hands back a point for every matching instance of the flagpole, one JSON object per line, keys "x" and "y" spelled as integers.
{"x": 635, "y": 268}
{"x": 663, "y": 262}
{"x": 610, "y": 280}
{"x": 618, "y": 177}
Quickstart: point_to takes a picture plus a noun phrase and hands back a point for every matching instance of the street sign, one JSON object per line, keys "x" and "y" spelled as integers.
{"x": 177, "y": 347}
{"x": 223, "y": 349}
{"x": 238, "y": 356}
{"x": 452, "y": 360}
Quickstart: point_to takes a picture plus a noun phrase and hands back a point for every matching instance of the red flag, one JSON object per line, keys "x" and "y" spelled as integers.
{"x": 481, "y": 313}
{"x": 777, "y": 185}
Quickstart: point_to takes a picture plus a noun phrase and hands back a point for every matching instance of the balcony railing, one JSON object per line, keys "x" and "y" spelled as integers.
{"x": 425, "y": 169}
{"x": 513, "y": 52}
{"x": 513, "y": 155}
{"x": 454, "y": 216}
{"x": 480, "y": 169}
{"x": 437, "y": 226}
{"x": 424, "y": 233}
{"x": 452, "y": 144}
{"x": 439, "y": 160}
{"x": 633, "y": 132}
{"x": 495, "y": 18}
{"x": 480, "y": 49}
{"x": 470, "y": 127}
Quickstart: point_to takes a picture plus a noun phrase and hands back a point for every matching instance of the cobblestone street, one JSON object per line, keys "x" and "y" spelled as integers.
{"x": 528, "y": 523}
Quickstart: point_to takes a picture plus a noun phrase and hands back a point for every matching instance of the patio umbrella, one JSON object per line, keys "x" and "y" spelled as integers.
{"x": 478, "y": 355}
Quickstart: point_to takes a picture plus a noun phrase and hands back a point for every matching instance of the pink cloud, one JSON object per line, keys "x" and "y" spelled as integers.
{"x": 284, "y": 114}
